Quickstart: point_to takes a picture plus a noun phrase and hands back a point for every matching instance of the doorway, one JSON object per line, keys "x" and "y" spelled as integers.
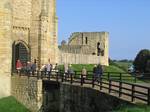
{"x": 20, "y": 51}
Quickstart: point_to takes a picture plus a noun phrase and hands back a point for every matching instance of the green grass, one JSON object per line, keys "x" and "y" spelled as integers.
{"x": 10, "y": 104}
{"x": 123, "y": 65}
{"x": 110, "y": 68}
{"x": 89, "y": 67}
{"x": 136, "y": 108}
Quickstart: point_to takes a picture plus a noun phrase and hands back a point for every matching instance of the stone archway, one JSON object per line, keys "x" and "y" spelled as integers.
{"x": 21, "y": 51}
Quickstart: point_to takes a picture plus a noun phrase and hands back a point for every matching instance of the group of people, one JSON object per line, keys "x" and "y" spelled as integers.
{"x": 31, "y": 67}
{"x": 97, "y": 72}
{"x": 68, "y": 70}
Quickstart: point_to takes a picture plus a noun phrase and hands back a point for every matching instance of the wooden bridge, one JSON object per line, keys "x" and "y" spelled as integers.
{"x": 108, "y": 83}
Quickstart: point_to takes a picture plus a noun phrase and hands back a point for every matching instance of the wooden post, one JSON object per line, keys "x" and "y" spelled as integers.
{"x": 133, "y": 91}
{"x": 120, "y": 88}
{"x": 148, "y": 96}
{"x": 57, "y": 76}
{"x": 62, "y": 76}
{"x": 71, "y": 78}
{"x": 93, "y": 80}
{"x": 101, "y": 83}
{"x": 109, "y": 86}
{"x": 81, "y": 79}
{"x": 120, "y": 77}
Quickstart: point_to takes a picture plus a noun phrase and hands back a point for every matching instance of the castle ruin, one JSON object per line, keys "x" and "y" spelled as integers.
{"x": 82, "y": 48}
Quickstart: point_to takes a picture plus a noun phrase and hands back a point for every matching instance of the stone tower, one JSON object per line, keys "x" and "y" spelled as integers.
{"x": 45, "y": 23}
{"x": 28, "y": 31}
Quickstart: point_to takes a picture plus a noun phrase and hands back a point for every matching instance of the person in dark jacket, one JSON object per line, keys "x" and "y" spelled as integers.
{"x": 99, "y": 72}
{"x": 70, "y": 71}
{"x": 33, "y": 67}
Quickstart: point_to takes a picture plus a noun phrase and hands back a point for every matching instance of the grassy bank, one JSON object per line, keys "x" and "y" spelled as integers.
{"x": 110, "y": 68}
{"x": 137, "y": 108}
{"x": 10, "y": 104}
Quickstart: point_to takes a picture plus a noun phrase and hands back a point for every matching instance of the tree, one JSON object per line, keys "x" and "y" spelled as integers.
{"x": 148, "y": 66}
{"x": 141, "y": 60}
{"x": 63, "y": 42}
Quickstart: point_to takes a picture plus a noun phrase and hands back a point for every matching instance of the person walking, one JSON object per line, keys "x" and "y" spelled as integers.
{"x": 66, "y": 70}
{"x": 99, "y": 72}
{"x": 28, "y": 68}
{"x": 70, "y": 71}
{"x": 84, "y": 74}
{"x": 33, "y": 67}
{"x": 48, "y": 68}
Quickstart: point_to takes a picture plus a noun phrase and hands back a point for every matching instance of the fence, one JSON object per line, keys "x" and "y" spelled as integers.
{"x": 108, "y": 82}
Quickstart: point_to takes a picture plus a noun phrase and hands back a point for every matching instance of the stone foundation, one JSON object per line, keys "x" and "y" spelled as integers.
{"x": 27, "y": 91}
{"x": 4, "y": 86}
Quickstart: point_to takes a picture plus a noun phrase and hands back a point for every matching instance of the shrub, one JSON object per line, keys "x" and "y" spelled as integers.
{"x": 141, "y": 61}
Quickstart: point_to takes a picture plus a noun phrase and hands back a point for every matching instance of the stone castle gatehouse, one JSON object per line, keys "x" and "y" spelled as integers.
{"x": 28, "y": 31}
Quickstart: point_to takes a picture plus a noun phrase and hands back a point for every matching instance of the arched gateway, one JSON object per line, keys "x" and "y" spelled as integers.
{"x": 21, "y": 51}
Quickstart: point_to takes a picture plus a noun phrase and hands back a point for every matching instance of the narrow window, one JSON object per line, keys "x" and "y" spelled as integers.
{"x": 86, "y": 40}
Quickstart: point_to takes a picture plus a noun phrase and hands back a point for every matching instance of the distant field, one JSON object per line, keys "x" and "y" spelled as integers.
{"x": 123, "y": 65}
{"x": 10, "y": 104}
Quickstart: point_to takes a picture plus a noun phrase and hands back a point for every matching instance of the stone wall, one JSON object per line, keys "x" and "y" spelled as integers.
{"x": 28, "y": 91}
{"x": 72, "y": 58}
{"x": 5, "y": 46}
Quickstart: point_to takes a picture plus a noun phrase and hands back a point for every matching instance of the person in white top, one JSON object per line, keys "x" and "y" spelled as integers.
{"x": 49, "y": 67}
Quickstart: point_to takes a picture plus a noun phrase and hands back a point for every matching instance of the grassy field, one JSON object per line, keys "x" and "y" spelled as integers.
{"x": 123, "y": 65}
{"x": 10, "y": 104}
{"x": 137, "y": 108}
{"x": 110, "y": 68}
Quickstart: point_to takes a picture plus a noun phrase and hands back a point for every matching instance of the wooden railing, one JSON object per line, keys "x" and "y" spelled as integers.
{"x": 106, "y": 82}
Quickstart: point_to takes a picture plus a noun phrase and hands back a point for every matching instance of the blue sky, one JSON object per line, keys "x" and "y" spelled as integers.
{"x": 127, "y": 21}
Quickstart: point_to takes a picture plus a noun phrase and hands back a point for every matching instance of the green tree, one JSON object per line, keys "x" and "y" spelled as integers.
{"x": 141, "y": 60}
{"x": 148, "y": 66}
